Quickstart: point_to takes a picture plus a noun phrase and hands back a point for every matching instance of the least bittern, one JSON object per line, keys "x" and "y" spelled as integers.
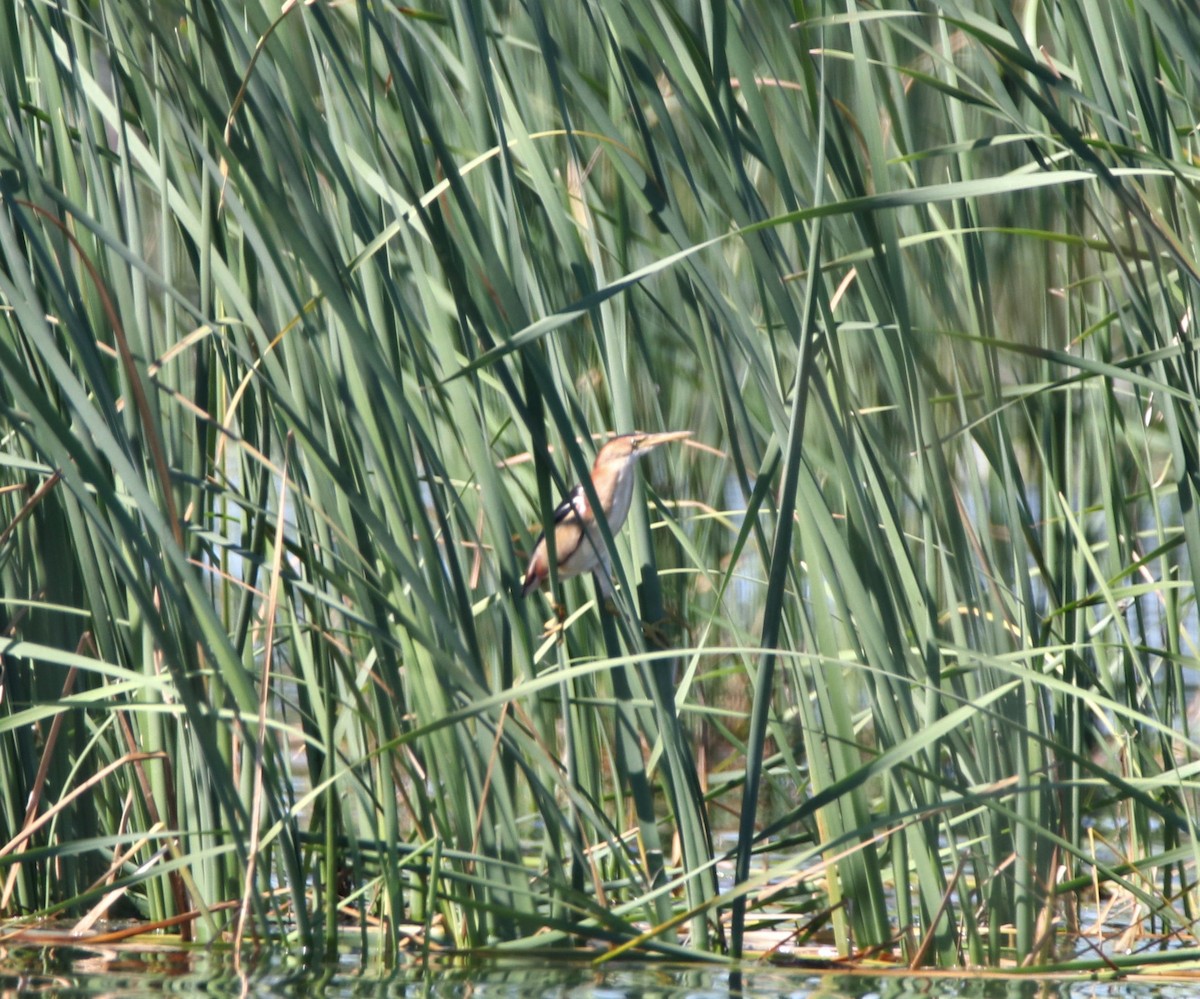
{"x": 578, "y": 542}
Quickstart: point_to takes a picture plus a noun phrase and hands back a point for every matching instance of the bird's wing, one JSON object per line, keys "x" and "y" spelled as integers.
{"x": 574, "y": 505}
{"x": 571, "y": 517}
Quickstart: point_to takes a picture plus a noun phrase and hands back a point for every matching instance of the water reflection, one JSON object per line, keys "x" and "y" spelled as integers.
{"x": 76, "y": 972}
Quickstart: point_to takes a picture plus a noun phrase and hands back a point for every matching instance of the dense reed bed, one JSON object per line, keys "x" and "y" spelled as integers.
{"x": 307, "y": 318}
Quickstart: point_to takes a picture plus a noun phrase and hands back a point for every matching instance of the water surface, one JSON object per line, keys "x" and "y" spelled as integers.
{"x": 128, "y": 973}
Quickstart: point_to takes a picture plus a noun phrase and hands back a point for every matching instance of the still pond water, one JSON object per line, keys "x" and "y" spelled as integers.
{"x": 75, "y": 972}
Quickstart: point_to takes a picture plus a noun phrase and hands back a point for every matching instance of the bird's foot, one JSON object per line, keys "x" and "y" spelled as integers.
{"x": 656, "y": 633}
{"x": 556, "y": 626}
{"x": 666, "y": 632}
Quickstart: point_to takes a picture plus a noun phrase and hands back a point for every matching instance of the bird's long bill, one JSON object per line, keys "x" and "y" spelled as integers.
{"x": 647, "y": 441}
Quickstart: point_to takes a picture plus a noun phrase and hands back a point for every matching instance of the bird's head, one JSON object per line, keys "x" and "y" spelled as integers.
{"x": 623, "y": 450}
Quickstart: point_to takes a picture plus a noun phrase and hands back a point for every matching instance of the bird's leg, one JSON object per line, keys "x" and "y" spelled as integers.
{"x": 654, "y": 632}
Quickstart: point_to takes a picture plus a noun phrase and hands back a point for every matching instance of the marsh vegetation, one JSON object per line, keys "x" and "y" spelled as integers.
{"x": 308, "y": 317}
